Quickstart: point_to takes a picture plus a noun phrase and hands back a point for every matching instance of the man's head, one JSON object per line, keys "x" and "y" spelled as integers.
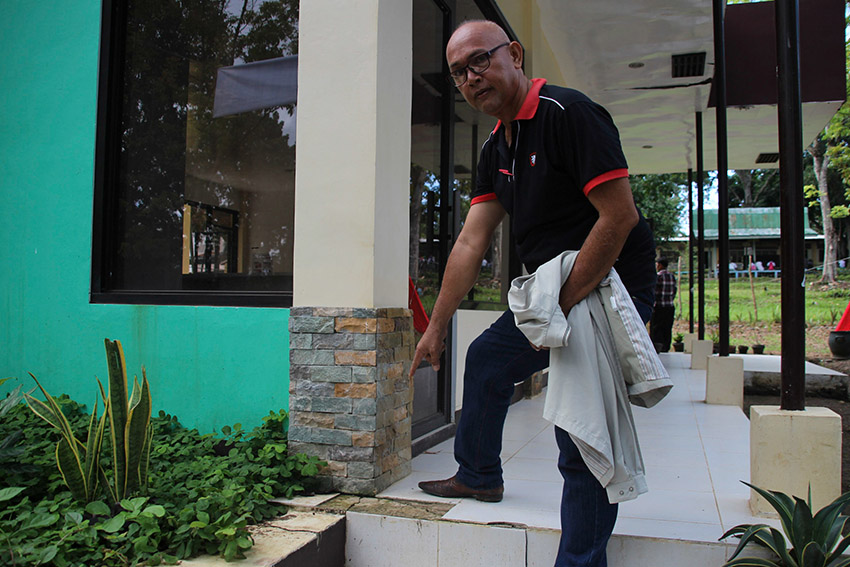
{"x": 661, "y": 264}
{"x": 499, "y": 87}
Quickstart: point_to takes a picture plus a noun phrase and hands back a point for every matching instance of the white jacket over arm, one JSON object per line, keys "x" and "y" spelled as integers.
{"x": 596, "y": 352}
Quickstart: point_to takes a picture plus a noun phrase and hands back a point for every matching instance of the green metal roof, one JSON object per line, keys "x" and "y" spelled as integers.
{"x": 752, "y": 223}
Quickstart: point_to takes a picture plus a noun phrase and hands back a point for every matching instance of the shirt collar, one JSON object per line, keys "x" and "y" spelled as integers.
{"x": 529, "y": 107}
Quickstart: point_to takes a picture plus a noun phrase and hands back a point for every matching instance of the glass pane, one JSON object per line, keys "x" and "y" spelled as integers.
{"x": 429, "y": 88}
{"x": 471, "y": 131}
{"x": 204, "y": 201}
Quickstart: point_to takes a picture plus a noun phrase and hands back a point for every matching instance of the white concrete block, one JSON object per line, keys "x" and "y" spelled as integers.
{"x": 386, "y": 541}
{"x": 475, "y": 545}
{"x": 627, "y": 551}
{"x": 688, "y": 340}
{"x": 724, "y": 381}
{"x": 542, "y": 547}
{"x": 792, "y": 450}
{"x": 700, "y": 351}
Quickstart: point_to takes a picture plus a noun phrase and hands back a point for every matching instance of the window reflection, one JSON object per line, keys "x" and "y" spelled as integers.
{"x": 201, "y": 202}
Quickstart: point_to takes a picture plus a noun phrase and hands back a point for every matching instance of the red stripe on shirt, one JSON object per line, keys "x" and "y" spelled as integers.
{"x": 483, "y": 198}
{"x": 600, "y": 179}
{"x": 532, "y": 99}
{"x": 529, "y": 105}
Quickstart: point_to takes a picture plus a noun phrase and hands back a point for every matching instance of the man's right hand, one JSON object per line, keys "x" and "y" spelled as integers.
{"x": 430, "y": 348}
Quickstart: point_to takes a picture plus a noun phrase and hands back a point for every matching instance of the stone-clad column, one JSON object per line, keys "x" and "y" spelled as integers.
{"x": 350, "y": 397}
{"x": 351, "y": 401}
{"x": 352, "y": 182}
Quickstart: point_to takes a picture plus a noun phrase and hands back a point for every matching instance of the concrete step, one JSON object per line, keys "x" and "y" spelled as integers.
{"x": 303, "y": 536}
{"x": 376, "y": 538}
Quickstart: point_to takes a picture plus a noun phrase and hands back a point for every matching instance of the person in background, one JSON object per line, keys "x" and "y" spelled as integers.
{"x": 661, "y": 324}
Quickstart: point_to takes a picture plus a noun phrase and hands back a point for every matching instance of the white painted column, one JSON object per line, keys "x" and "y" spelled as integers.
{"x": 353, "y": 153}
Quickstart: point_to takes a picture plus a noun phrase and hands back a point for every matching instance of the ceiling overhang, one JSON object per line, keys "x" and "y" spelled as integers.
{"x": 621, "y": 55}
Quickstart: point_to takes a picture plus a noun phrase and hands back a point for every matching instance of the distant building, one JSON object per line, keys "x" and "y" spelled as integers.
{"x": 754, "y": 235}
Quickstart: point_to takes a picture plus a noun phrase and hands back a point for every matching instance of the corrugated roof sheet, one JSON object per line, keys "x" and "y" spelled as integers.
{"x": 752, "y": 222}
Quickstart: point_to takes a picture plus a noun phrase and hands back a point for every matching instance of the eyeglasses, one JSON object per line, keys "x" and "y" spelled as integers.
{"x": 477, "y": 64}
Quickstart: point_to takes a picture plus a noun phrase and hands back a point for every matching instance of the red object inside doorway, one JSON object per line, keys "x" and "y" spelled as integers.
{"x": 844, "y": 323}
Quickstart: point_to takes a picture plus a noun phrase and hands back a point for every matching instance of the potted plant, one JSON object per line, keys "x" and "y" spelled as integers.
{"x": 742, "y": 349}
{"x": 678, "y": 345}
{"x": 839, "y": 344}
{"x": 758, "y": 346}
{"x": 815, "y": 541}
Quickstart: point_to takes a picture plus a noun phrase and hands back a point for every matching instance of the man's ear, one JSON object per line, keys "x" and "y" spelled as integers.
{"x": 516, "y": 54}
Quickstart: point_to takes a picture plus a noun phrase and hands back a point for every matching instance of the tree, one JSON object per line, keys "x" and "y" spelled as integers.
{"x": 820, "y": 156}
{"x": 831, "y": 147}
{"x": 660, "y": 199}
{"x": 754, "y": 188}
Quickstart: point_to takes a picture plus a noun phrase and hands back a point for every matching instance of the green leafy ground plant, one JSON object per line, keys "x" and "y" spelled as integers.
{"x": 204, "y": 492}
{"x": 812, "y": 541}
{"x": 10, "y": 446}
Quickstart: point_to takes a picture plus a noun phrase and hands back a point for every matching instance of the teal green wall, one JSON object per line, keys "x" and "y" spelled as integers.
{"x": 210, "y": 366}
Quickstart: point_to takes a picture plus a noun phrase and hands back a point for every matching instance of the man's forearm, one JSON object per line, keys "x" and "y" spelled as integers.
{"x": 617, "y": 217}
{"x": 595, "y": 259}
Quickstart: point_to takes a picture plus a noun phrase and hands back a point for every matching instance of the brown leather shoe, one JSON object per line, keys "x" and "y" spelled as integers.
{"x": 453, "y": 488}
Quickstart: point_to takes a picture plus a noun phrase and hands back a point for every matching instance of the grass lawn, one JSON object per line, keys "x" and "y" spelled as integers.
{"x": 760, "y": 301}
{"x": 751, "y": 321}
{"x": 760, "y": 320}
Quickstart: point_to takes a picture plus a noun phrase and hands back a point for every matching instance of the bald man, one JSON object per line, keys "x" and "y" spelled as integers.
{"x": 554, "y": 164}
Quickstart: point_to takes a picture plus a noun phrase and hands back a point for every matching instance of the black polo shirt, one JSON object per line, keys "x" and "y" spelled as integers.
{"x": 563, "y": 146}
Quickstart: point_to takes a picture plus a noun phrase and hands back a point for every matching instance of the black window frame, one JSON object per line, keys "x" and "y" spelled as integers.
{"x": 106, "y": 159}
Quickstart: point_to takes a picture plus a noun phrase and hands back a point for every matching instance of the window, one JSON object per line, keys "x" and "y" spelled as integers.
{"x": 195, "y": 162}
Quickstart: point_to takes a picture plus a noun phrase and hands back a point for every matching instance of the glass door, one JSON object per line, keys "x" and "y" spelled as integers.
{"x": 431, "y": 211}
{"x": 446, "y": 135}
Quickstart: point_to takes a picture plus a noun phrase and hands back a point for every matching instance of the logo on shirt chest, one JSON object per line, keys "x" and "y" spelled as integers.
{"x": 532, "y": 159}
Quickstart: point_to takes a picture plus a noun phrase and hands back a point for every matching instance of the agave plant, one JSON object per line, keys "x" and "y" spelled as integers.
{"x": 129, "y": 430}
{"x": 814, "y": 541}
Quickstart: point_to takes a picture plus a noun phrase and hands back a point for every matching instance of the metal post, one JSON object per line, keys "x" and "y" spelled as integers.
{"x": 722, "y": 174}
{"x": 700, "y": 232}
{"x": 793, "y": 377}
{"x": 690, "y": 250}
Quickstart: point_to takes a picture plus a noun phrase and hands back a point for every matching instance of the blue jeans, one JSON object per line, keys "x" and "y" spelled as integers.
{"x": 500, "y": 357}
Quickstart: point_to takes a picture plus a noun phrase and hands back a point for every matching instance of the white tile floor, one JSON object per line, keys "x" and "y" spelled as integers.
{"x": 695, "y": 456}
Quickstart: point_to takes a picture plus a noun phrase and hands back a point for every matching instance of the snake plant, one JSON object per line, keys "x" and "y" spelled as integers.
{"x": 129, "y": 425}
{"x": 129, "y": 433}
{"x": 814, "y": 541}
{"x": 77, "y": 461}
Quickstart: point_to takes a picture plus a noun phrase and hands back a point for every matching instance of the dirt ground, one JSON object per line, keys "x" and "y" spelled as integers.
{"x": 841, "y": 407}
{"x": 769, "y": 334}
